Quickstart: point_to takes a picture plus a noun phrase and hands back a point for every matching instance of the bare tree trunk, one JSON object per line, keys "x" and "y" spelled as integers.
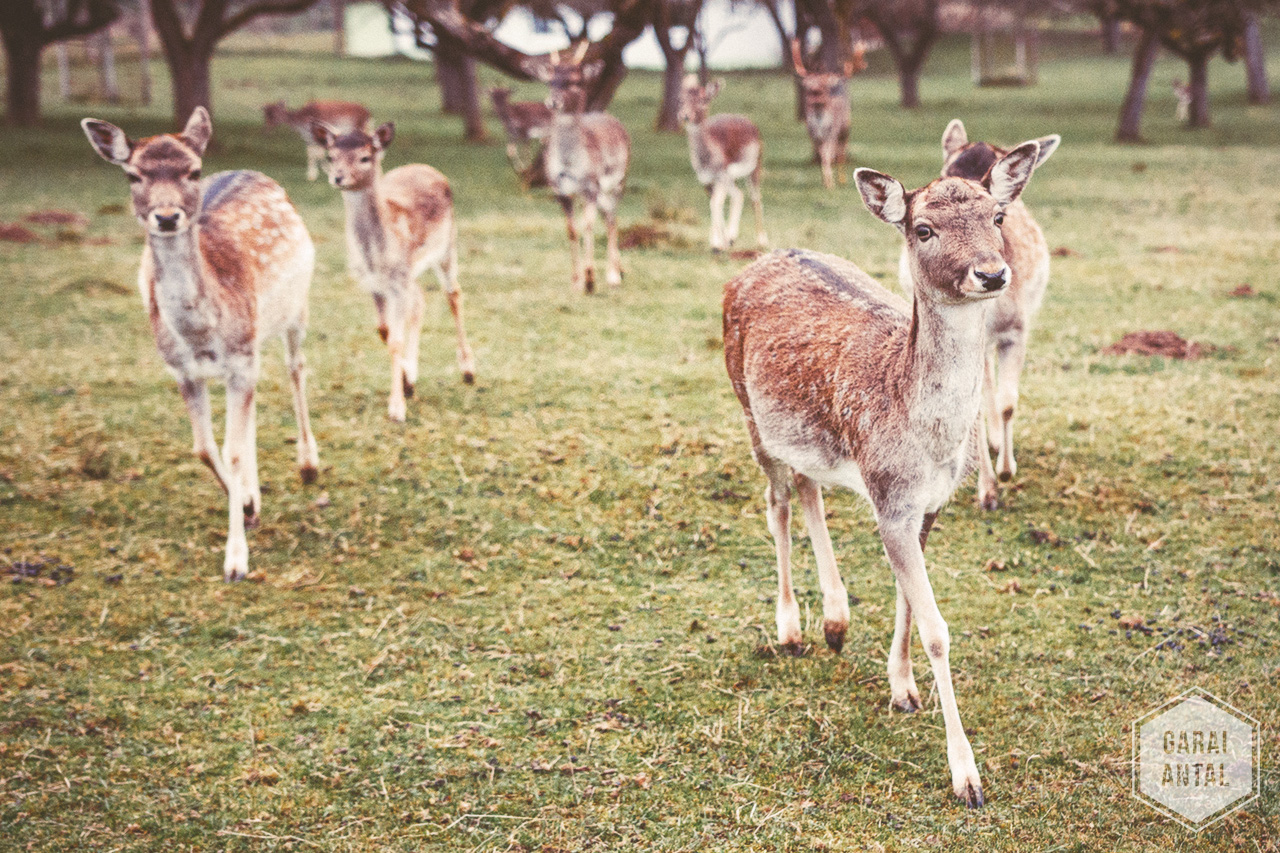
{"x": 1111, "y": 35}
{"x": 669, "y": 112}
{"x": 107, "y": 80}
{"x": 144, "y": 50}
{"x": 22, "y": 71}
{"x": 1255, "y": 61}
{"x": 1199, "y": 86}
{"x": 191, "y": 89}
{"x": 339, "y": 27}
{"x": 63, "y": 52}
{"x": 459, "y": 90}
{"x": 1144, "y": 58}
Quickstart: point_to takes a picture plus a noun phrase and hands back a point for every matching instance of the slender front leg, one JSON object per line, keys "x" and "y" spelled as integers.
{"x": 380, "y": 306}
{"x": 736, "y": 198}
{"x": 308, "y": 452}
{"x": 315, "y": 156}
{"x": 777, "y": 496}
{"x": 395, "y": 347}
{"x": 988, "y": 491}
{"x": 828, "y": 155}
{"x": 901, "y": 539}
{"x": 195, "y": 393}
{"x": 903, "y": 693}
{"x": 1012, "y": 356}
{"x": 716, "y": 193}
{"x": 566, "y": 203}
{"x": 989, "y": 402}
{"x": 415, "y": 307}
{"x": 448, "y": 275}
{"x": 251, "y": 495}
{"x": 757, "y": 207}
{"x": 587, "y": 227}
{"x": 513, "y": 154}
{"x": 239, "y": 419}
{"x": 613, "y": 258}
{"x": 835, "y": 599}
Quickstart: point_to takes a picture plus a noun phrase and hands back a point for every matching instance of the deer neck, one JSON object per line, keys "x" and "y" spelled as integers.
{"x": 366, "y": 224}
{"x": 943, "y": 368}
{"x": 696, "y": 132}
{"x": 181, "y": 288}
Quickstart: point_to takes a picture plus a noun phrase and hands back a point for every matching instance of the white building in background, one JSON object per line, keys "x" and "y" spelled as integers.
{"x": 739, "y": 35}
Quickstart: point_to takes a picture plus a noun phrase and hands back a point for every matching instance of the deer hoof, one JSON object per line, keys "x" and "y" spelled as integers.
{"x": 971, "y": 795}
{"x": 834, "y": 632}
{"x": 794, "y": 649}
{"x": 990, "y": 501}
{"x": 909, "y": 704}
{"x": 382, "y": 333}
{"x": 468, "y": 377}
{"x": 308, "y": 473}
{"x": 251, "y": 517}
{"x": 408, "y": 388}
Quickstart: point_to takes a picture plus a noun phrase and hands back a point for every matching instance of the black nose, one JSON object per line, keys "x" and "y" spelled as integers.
{"x": 167, "y": 223}
{"x": 991, "y": 280}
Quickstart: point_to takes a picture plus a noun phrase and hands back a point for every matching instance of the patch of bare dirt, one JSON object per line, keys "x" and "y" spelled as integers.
{"x": 14, "y": 233}
{"x": 1244, "y": 291}
{"x": 1162, "y": 343}
{"x": 647, "y": 235}
{"x": 57, "y": 217}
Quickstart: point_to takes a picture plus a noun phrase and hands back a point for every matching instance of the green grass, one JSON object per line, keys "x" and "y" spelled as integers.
{"x": 537, "y": 616}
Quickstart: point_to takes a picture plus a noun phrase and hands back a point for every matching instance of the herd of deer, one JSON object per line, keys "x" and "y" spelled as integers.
{"x": 841, "y": 382}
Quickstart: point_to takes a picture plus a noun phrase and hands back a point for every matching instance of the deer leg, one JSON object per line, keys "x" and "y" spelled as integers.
{"x": 315, "y": 156}
{"x": 380, "y": 305}
{"x": 587, "y": 226}
{"x": 448, "y": 274}
{"x": 835, "y": 599}
{"x": 988, "y": 492}
{"x": 251, "y": 494}
{"x": 736, "y": 198}
{"x": 613, "y": 258}
{"x": 757, "y": 208}
{"x": 566, "y": 203}
{"x": 716, "y": 193}
{"x": 904, "y": 695}
{"x": 901, "y": 539}
{"x": 513, "y": 154}
{"x": 777, "y": 496}
{"x": 195, "y": 394}
{"x": 395, "y": 346}
{"x": 415, "y": 306}
{"x": 827, "y": 154}
{"x": 308, "y": 453}
{"x": 239, "y": 425}
{"x": 1012, "y": 356}
{"x": 989, "y": 400}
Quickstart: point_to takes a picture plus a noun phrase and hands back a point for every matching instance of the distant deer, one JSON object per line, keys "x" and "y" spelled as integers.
{"x": 586, "y": 155}
{"x": 398, "y": 225}
{"x": 524, "y": 121}
{"x": 342, "y": 116}
{"x": 227, "y": 264}
{"x": 1009, "y": 323}
{"x": 843, "y": 384}
{"x": 723, "y": 149}
{"x": 826, "y": 109}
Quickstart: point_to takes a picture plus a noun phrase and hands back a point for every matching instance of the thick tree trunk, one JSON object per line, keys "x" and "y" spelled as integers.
{"x": 191, "y": 78}
{"x": 669, "y": 112}
{"x": 22, "y": 70}
{"x": 107, "y": 79}
{"x": 1111, "y": 35}
{"x": 1144, "y": 58}
{"x": 1199, "y": 86}
{"x": 909, "y": 85}
{"x": 607, "y": 84}
{"x": 459, "y": 88}
{"x": 1255, "y": 61}
{"x": 144, "y": 51}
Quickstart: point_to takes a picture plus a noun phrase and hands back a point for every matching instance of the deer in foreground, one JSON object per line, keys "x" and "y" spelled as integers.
{"x": 586, "y": 156}
{"x": 524, "y": 121}
{"x": 398, "y": 225}
{"x": 843, "y": 384}
{"x": 227, "y": 264}
{"x": 1009, "y": 323}
{"x": 343, "y": 116}
{"x": 723, "y": 149}
{"x": 826, "y": 110}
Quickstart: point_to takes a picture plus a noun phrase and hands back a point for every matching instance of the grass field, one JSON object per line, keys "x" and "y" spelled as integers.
{"x": 539, "y": 615}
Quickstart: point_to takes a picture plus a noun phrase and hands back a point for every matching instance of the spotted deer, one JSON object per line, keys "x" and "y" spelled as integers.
{"x": 524, "y": 121}
{"x": 227, "y": 264}
{"x": 826, "y": 110}
{"x": 586, "y": 155}
{"x": 398, "y": 225}
{"x": 343, "y": 116}
{"x": 724, "y": 149}
{"x": 843, "y": 384}
{"x": 1009, "y": 322}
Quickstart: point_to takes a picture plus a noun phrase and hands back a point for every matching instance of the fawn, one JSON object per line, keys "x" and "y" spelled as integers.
{"x": 586, "y": 155}
{"x": 826, "y": 110}
{"x": 524, "y": 122}
{"x": 398, "y": 225}
{"x": 227, "y": 263}
{"x": 1009, "y": 323}
{"x": 723, "y": 149}
{"x": 843, "y": 384}
{"x": 343, "y": 116}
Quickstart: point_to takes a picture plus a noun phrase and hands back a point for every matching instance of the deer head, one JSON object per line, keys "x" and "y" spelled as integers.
{"x": 355, "y": 158}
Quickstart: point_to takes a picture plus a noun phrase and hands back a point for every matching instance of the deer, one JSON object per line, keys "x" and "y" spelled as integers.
{"x": 343, "y": 116}
{"x": 1009, "y": 322}
{"x": 1182, "y": 93}
{"x": 524, "y": 121}
{"x": 586, "y": 156}
{"x": 826, "y": 109}
{"x": 842, "y": 383}
{"x": 397, "y": 226}
{"x": 723, "y": 149}
{"x": 227, "y": 263}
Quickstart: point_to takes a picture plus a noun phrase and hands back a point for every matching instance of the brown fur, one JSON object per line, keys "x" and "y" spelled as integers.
{"x": 343, "y": 116}
{"x": 827, "y": 114}
{"x": 523, "y": 121}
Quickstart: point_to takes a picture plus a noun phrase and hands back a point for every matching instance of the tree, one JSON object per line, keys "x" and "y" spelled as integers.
{"x": 678, "y": 18}
{"x": 27, "y": 27}
{"x": 909, "y": 29}
{"x": 190, "y": 56}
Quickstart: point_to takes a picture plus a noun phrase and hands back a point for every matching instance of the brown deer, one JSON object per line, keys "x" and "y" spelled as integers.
{"x": 723, "y": 149}
{"x": 524, "y": 121}
{"x": 398, "y": 225}
{"x": 1009, "y": 323}
{"x": 826, "y": 109}
{"x": 586, "y": 156}
{"x": 343, "y": 116}
{"x": 843, "y": 384}
{"x": 227, "y": 263}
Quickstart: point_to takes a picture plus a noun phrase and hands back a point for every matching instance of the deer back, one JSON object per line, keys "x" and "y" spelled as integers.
{"x": 725, "y": 142}
{"x": 419, "y": 212}
{"x": 586, "y": 152}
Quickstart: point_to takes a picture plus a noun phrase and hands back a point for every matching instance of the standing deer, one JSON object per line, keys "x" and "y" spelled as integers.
{"x": 398, "y": 225}
{"x": 723, "y": 149}
{"x": 342, "y": 116}
{"x": 826, "y": 110}
{"x": 1009, "y": 323}
{"x": 843, "y": 384}
{"x": 524, "y": 121}
{"x": 586, "y": 155}
{"x": 227, "y": 264}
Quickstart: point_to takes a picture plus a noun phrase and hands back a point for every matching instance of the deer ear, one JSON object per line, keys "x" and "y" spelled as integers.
{"x": 1048, "y": 145}
{"x": 383, "y": 135}
{"x": 714, "y": 87}
{"x": 1012, "y": 171}
{"x": 954, "y": 138}
{"x": 108, "y": 140}
{"x": 198, "y": 130}
{"x": 883, "y": 196}
{"x": 323, "y": 135}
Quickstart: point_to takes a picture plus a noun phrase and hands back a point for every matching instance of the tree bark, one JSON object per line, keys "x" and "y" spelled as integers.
{"x": 1111, "y": 35}
{"x": 923, "y": 29}
{"x": 191, "y": 74}
{"x": 1144, "y": 58}
{"x": 909, "y": 86}
{"x": 107, "y": 78}
{"x": 1255, "y": 61}
{"x": 22, "y": 70}
{"x": 459, "y": 88}
{"x": 1198, "y": 65}
{"x": 672, "y": 77}
{"x": 144, "y": 51}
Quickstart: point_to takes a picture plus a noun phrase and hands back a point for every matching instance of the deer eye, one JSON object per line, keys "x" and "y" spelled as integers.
{"x": 133, "y": 179}
{"x": 923, "y": 232}
{"x": 999, "y": 219}
{"x": 193, "y": 175}
{"x": 368, "y": 158}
